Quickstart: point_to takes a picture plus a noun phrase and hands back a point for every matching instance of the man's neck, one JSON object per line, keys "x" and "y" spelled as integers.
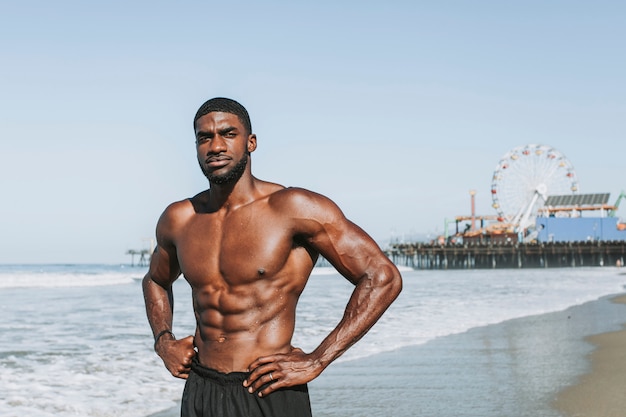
{"x": 232, "y": 196}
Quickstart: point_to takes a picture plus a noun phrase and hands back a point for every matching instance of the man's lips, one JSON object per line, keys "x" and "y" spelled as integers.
{"x": 217, "y": 161}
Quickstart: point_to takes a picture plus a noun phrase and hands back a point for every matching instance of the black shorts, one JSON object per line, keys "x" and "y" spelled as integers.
{"x": 209, "y": 393}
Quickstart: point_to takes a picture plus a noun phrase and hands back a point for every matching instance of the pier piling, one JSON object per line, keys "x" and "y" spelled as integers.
{"x": 508, "y": 255}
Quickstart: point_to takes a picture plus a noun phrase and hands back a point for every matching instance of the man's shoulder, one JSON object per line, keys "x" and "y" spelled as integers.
{"x": 182, "y": 205}
{"x": 295, "y": 194}
{"x": 275, "y": 193}
{"x": 301, "y": 199}
{"x": 181, "y": 209}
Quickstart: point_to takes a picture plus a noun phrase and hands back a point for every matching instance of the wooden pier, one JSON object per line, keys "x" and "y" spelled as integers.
{"x": 144, "y": 256}
{"x": 508, "y": 255}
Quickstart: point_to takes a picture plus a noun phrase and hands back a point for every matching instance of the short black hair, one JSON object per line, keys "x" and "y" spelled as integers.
{"x": 225, "y": 105}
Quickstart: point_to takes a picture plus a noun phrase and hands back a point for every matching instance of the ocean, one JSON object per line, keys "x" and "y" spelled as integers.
{"x": 74, "y": 339}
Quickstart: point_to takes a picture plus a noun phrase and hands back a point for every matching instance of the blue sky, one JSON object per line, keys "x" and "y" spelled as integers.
{"x": 393, "y": 109}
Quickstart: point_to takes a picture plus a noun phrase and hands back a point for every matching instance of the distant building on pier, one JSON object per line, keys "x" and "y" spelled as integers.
{"x": 579, "y": 218}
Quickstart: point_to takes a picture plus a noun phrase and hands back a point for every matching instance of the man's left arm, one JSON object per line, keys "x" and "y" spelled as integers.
{"x": 377, "y": 284}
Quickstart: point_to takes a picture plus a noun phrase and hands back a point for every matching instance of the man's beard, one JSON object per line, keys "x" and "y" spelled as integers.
{"x": 229, "y": 177}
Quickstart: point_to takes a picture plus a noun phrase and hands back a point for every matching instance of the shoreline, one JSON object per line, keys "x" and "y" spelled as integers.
{"x": 515, "y": 368}
{"x": 600, "y": 392}
{"x": 523, "y": 367}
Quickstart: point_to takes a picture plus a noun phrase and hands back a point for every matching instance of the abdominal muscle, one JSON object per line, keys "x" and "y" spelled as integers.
{"x": 236, "y": 330}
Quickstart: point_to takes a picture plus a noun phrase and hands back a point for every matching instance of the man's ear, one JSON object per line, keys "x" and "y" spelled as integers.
{"x": 251, "y": 143}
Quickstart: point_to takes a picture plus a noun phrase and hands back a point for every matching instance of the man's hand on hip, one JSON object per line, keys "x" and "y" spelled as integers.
{"x": 177, "y": 355}
{"x": 269, "y": 373}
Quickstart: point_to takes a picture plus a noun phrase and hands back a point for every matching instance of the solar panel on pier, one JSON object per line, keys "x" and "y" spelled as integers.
{"x": 577, "y": 199}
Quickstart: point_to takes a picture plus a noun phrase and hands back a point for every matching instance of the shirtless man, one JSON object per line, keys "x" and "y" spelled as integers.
{"x": 247, "y": 247}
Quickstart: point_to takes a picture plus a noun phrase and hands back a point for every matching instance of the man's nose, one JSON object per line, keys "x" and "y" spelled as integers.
{"x": 217, "y": 145}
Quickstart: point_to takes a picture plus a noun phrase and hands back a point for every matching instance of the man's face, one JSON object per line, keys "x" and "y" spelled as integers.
{"x": 223, "y": 146}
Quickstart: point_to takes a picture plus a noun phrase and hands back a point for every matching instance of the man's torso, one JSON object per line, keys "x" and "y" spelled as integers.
{"x": 247, "y": 268}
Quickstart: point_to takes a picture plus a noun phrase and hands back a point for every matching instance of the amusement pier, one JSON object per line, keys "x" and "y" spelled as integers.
{"x": 541, "y": 221}
{"x": 483, "y": 255}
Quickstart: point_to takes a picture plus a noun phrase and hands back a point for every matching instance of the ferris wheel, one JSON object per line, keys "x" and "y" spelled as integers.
{"x": 523, "y": 180}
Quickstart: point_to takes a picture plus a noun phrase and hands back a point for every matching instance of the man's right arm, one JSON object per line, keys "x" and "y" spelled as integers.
{"x": 159, "y": 300}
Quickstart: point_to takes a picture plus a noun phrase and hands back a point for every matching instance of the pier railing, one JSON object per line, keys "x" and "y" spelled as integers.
{"x": 508, "y": 255}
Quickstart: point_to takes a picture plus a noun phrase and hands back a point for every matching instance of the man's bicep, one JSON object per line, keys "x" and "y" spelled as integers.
{"x": 330, "y": 233}
{"x": 164, "y": 268}
{"x": 346, "y": 246}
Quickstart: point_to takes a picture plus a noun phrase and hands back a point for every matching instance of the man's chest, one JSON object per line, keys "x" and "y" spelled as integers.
{"x": 236, "y": 248}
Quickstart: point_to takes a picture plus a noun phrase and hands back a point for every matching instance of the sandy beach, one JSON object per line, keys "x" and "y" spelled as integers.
{"x": 562, "y": 364}
{"x": 602, "y": 391}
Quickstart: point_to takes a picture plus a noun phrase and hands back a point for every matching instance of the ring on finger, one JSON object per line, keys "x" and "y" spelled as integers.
{"x": 271, "y": 377}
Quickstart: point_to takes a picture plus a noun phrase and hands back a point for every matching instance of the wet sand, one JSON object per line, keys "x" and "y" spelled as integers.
{"x": 528, "y": 367}
{"x": 602, "y": 391}
{"x": 512, "y": 369}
